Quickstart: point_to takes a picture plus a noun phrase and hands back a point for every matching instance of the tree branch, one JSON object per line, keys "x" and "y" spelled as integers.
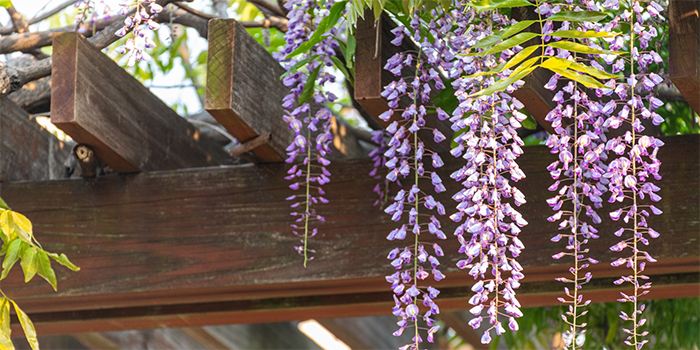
{"x": 52, "y": 12}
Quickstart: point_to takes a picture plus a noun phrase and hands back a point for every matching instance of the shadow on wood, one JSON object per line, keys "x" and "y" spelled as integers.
{"x": 684, "y": 49}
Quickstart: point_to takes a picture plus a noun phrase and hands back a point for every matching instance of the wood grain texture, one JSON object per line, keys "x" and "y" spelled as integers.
{"x": 27, "y": 151}
{"x": 99, "y": 104}
{"x": 213, "y": 246}
{"x": 371, "y": 77}
{"x": 684, "y": 49}
{"x": 244, "y": 90}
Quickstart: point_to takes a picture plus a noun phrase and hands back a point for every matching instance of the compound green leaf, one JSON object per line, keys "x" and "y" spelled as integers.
{"x": 29, "y": 263}
{"x": 576, "y": 47}
{"x": 575, "y": 34}
{"x": 45, "y": 270}
{"x": 516, "y": 28}
{"x": 11, "y": 257}
{"x": 519, "y": 57}
{"x": 489, "y": 40}
{"x": 27, "y": 326}
{"x": 586, "y": 80}
{"x": 578, "y": 16}
{"x": 63, "y": 260}
{"x": 509, "y": 43}
{"x": 503, "y": 84}
{"x": 490, "y": 5}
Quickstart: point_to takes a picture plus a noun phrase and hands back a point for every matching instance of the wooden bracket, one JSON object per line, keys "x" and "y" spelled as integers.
{"x": 99, "y": 104}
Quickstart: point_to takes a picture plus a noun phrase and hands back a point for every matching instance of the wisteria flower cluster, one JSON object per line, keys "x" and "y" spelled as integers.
{"x": 635, "y": 166}
{"x": 94, "y": 9}
{"x": 143, "y": 20}
{"x": 490, "y": 145}
{"x": 406, "y": 153}
{"x": 379, "y": 161}
{"x": 312, "y": 127}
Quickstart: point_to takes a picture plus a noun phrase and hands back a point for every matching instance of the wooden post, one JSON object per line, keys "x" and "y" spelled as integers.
{"x": 371, "y": 77}
{"x": 27, "y": 151}
{"x": 244, "y": 90}
{"x": 99, "y": 104}
{"x": 213, "y": 246}
{"x": 684, "y": 49}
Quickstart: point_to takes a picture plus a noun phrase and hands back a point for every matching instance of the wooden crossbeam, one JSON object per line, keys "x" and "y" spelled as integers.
{"x": 213, "y": 246}
{"x": 27, "y": 151}
{"x": 244, "y": 90}
{"x": 99, "y": 104}
{"x": 371, "y": 77}
{"x": 684, "y": 49}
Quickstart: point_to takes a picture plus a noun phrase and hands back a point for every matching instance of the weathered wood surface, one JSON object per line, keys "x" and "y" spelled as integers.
{"x": 99, "y": 104}
{"x": 28, "y": 151}
{"x": 213, "y": 246}
{"x": 244, "y": 90}
{"x": 371, "y": 77}
{"x": 684, "y": 49}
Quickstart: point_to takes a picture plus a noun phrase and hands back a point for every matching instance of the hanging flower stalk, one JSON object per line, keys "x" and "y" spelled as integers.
{"x": 143, "y": 19}
{"x": 636, "y": 164}
{"x": 379, "y": 159}
{"x": 406, "y": 153}
{"x": 490, "y": 225}
{"x": 306, "y": 78}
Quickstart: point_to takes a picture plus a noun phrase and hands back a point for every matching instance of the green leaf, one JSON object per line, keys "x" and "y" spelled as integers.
{"x": 341, "y": 67}
{"x": 309, "y": 86}
{"x": 45, "y": 269}
{"x": 23, "y": 225}
{"x": 517, "y": 28}
{"x": 5, "y": 330}
{"x": 520, "y": 56}
{"x": 27, "y": 326}
{"x": 325, "y": 24}
{"x": 3, "y": 205}
{"x": 556, "y": 63}
{"x": 581, "y": 78}
{"x": 578, "y": 16}
{"x": 5, "y": 223}
{"x": 350, "y": 50}
{"x": 598, "y": 73}
{"x": 490, "y": 5}
{"x": 575, "y": 34}
{"x": 489, "y": 40}
{"x": 29, "y": 263}
{"x": 529, "y": 123}
{"x": 6, "y": 3}
{"x": 527, "y": 64}
{"x": 503, "y": 84}
{"x": 63, "y": 260}
{"x": 576, "y": 47}
{"x": 293, "y": 69}
{"x": 378, "y": 7}
{"x": 11, "y": 257}
{"x": 507, "y": 44}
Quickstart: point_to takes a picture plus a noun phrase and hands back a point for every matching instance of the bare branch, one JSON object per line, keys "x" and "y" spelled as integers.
{"x": 52, "y": 12}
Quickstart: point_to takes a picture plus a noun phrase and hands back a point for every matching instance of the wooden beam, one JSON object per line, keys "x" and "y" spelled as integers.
{"x": 684, "y": 49}
{"x": 244, "y": 90}
{"x": 463, "y": 329}
{"x": 99, "y": 104}
{"x": 371, "y": 77}
{"x": 213, "y": 246}
{"x": 27, "y": 151}
{"x": 279, "y": 335}
{"x": 367, "y": 332}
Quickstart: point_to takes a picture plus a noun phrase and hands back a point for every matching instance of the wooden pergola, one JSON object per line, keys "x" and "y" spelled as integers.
{"x": 181, "y": 237}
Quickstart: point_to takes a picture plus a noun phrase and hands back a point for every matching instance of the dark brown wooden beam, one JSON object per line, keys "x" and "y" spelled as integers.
{"x": 99, "y": 104}
{"x": 27, "y": 151}
{"x": 244, "y": 90}
{"x": 684, "y": 49}
{"x": 371, "y": 77}
{"x": 213, "y": 246}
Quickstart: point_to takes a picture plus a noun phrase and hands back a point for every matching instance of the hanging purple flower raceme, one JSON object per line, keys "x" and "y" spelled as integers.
{"x": 143, "y": 20}
{"x": 379, "y": 159}
{"x": 579, "y": 141}
{"x": 312, "y": 128}
{"x": 635, "y": 164}
{"x": 415, "y": 262}
{"x": 489, "y": 144}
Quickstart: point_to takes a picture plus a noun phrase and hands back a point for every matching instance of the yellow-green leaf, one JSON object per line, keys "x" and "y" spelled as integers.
{"x": 489, "y": 40}
{"x": 581, "y": 78}
{"x": 5, "y": 223}
{"x": 29, "y": 263}
{"x": 503, "y": 84}
{"x": 575, "y": 34}
{"x": 516, "y": 28}
{"x": 27, "y": 326}
{"x": 520, "y": 56}
{"x": 10, "y": 257}
{"x": 309, "y": 86}
{"x": 3, "y": 205}
{"x": 596, "y": 72}
{"x": 527, "y": 64}
{"x": 5, "y": 331}
{"x": 378, "y": 7}
{"x": 576, "y": 47}
{"x": 23, "y": 225}
{"x": 577, "y": 16}
{"x": 509, "y": 43}
{"x": 489, "y": 5}
{"x": 5, "y": 3}
{"x": 63, "y": 260}
{"x": 556, "y": 63}
{"x": 44, "y": 270}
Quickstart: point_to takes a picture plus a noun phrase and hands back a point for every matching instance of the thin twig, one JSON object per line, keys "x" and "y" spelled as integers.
{"x": 194, "y": 12}
{"x": 262, "y": 4}
{"x": 55, "y": 10}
